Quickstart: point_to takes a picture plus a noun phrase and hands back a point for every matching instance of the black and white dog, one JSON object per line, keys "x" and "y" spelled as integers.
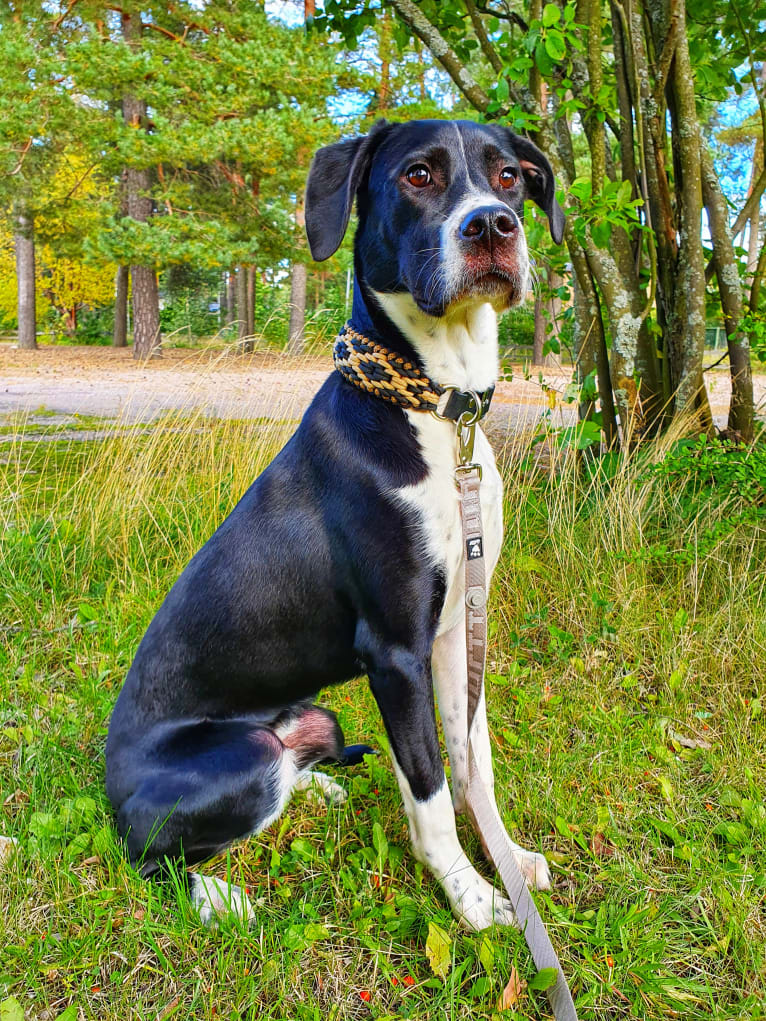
{"x": 345, "y": 556}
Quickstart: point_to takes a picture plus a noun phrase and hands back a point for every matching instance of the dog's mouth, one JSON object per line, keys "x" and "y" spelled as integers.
{"x": 501, "y": 286}
{"x": 496, "y": 279}
{"x": 495, "y": 283}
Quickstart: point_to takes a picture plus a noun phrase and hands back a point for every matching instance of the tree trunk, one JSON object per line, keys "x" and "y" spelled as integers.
{"x": 753, "y": 246}
{"x": 246, "y": 293}
{"x": 25, "y": 279}
{"x": 231, "y": 296}
{"x": 538, "y": 358}
{"x": 382, "y": 101}
{"x": 250, "y": 306}
{"x": 120, "y": 334}
{"x": 296, "y": 339}
{"x": 296, "y": 343}
{"x": 146, "y": 304}
{"x": 241, "y": 308}
{"x": 146, "y": 318}
{"x": 687, "y": 325}
{"x": 591, "y": 328}
{"x": 755, "y": 216}
{"x": 741, "y": 410}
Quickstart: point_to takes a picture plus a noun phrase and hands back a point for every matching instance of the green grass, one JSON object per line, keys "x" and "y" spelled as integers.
{"x": 615, "y": 646}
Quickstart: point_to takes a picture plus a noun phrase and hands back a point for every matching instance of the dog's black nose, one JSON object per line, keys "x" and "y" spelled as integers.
{"x": 488, "y": 220}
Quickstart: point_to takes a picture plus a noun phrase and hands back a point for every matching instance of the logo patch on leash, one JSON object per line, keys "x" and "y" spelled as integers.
{"x": 474, "y": 548}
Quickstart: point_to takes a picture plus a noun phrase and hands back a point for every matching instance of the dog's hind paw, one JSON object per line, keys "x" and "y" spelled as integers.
{"x": 534, "y": 868}
{"x": 320, "y": 788}
{"x": 8, "y": 846}
{"x": 214, "y": 899}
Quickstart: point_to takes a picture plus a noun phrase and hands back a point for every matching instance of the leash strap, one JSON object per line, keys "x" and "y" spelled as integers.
{"x": 489, "y": 825}
{"x": 382, "y": 373}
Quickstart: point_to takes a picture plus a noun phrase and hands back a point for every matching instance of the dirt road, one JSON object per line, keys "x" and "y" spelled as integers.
{"x": 106, "y": 382}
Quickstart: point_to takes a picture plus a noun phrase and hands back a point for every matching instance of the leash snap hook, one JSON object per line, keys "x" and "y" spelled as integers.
{"x": 466, "y": 430}
{"x": 466, "y": 436}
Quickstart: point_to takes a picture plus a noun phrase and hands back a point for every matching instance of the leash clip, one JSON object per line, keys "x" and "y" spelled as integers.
{"x": 466, "y": 432}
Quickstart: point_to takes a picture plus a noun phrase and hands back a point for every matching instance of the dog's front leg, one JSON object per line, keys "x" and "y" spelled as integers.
{"x": 450, "y": 672}
{"x": 403, "y": 688}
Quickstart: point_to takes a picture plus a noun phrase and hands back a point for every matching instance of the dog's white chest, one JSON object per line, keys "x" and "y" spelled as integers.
{"x": 436, "y": 505}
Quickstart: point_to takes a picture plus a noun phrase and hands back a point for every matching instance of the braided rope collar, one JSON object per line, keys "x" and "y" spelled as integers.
{"x": 385, "y": 374}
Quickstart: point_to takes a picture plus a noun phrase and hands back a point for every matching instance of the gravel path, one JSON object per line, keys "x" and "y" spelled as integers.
{"x": 106, "y": 382}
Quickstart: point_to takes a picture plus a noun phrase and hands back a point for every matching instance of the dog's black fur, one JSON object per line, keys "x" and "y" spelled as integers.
{"x": 316, "y": 576}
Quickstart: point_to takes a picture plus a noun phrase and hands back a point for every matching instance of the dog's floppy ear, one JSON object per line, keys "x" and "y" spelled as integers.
{"x": 334, "y": 178}
{"x": 541, "y": 185}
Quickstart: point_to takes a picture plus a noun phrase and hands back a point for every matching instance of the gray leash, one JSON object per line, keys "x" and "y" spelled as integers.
{"x": 488, "y": 824}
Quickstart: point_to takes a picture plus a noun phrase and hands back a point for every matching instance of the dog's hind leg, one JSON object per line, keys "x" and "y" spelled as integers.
{"x": 199, "y": 786}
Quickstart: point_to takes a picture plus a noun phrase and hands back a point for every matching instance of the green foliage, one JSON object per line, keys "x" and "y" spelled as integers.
{"x": 754, "y": 326}
{"x": 517, "y": 328}
{"x": 94, "y": 326}
{"x": 711, "y": 489}
{"x": 713, "y": 472}
{"x": 612, "y": 207}
{"x": 188, "y": 314}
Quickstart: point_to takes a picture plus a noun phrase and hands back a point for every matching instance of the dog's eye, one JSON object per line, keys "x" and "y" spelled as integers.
{"x": 508, "y": 177}
{"x": 418, "y": 175}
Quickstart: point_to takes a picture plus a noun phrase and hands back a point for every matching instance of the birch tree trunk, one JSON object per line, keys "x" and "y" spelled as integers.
{"x": 729, "y": 287}
{"x": 296, "y": 337}
{"x": 24, "y": 244}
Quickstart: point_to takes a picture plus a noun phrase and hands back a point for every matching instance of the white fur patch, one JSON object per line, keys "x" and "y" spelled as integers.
{"x": 450, "y": 672}
{"x": 435, "y": 504}
{"x": 320, "y": 789}
{"x": 214, "y": 899}
{"x": 8, "y": 846}
{"x": 457, "y": 349}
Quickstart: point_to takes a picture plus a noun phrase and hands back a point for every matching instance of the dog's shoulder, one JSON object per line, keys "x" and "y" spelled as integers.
{"x": 345, "y": 431}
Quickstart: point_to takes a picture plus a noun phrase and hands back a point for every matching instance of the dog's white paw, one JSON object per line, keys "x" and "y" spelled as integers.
{"x": 534, "y": 868}
{"x": 321, "y": 789}
{"x": 476, "y": 903}
{"x": 214, "y": 899}
{"x": 7, "y": 847}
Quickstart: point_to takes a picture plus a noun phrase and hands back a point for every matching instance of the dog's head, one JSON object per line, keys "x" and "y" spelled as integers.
{"x": 441, "y": 205}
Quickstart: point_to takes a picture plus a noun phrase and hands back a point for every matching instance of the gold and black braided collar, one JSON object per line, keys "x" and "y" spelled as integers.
{"x": 383, "y": 373}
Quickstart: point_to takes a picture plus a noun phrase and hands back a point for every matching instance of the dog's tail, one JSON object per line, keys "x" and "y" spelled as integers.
{"x": 352, "y": 755}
